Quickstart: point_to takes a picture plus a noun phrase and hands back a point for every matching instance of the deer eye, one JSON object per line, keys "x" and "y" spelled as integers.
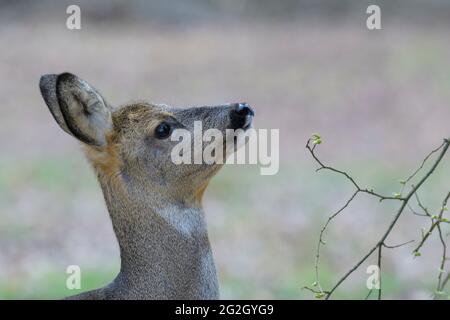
{"x": 162, "y": 131}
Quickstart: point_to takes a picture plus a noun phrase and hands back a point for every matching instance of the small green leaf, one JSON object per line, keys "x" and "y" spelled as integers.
{"x": 444, "y": 208}
{"x": 439, "y": 293}
{"x": 417, "y": 253}
{"x": 396, "y": 195}
{"x": 402, "y": 181}
{"x": 434, "y": 216}
{"x": 316, "y": 139}
{"x": 444, "y": 220}
{"x": 319, "y": 295}
{"x": 314, "y": 284}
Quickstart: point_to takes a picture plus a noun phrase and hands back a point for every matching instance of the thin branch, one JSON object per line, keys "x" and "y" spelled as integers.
{"x": 444, "y": 283}
{"x": 322, "y": 242}
{"x": 425, "y": 160}
{"x": 368, "y": 294}
{"x": 419, "y": 203}
{"x": 434, "y": 224}
{"x": 441, "y": 284}
{"x": 379, "y": 270}
{"x": 404, "y": 203}
{"x": 415, "y": 212}
{"x": 398, "y": 245}
{"x": 345, "y": 174}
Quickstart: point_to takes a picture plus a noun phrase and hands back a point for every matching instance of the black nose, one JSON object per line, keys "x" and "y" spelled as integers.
{"x": 243, "y": 109}
{"x": 241, "y": 115}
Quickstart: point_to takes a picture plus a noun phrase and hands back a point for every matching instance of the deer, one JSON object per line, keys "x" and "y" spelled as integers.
{"x": 155, "y": 206}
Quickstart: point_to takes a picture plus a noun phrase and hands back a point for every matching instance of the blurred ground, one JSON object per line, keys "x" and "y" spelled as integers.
{"x": 380, "y": 100}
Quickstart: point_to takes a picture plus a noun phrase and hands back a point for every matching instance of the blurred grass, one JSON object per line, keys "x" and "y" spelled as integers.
{"x": 380, "y": 101}
{"x": 62, "y": 176}
{"x": 52, "y": 284}
{"x": 53, "y": 173}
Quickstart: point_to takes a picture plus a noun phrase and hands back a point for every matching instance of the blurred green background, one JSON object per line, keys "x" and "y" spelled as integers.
{"x": 380, "y": 100}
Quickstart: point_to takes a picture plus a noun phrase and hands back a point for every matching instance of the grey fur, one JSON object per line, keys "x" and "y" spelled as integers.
{"x": 154, "y": 205}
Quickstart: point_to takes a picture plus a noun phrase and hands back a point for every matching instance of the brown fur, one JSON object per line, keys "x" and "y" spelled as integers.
{"x": 154, "y": 204}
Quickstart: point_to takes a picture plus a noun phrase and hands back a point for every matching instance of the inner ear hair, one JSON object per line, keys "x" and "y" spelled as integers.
{"x": 47, "y": 86}
{"x": 84, "y": 111}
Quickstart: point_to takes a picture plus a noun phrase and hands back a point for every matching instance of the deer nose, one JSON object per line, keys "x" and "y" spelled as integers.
{"x": 243, "y": 109}
{"x": 241, "y": 115}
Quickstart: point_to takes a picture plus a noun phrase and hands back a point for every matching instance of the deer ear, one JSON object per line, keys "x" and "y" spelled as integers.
{"x": 77, "y": 107}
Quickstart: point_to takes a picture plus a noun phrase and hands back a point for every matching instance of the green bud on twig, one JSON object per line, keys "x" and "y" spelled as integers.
{"x": 316, "y": 138}
{"x": 319, "y": 295}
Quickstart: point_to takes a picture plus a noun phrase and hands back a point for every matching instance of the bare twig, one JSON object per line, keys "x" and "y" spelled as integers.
{"x": 404, "y": 203}
{"x": 425, "y": 160}
{"x": 398, "y": 245}
{"x": 435, "y": 224}
{"x": 441, "y": 283}
{"x": 368, "y": 294}
{"x": 379, "y": 269}
{"x": 436, "y": 220}
{"x": 345, "y": 174}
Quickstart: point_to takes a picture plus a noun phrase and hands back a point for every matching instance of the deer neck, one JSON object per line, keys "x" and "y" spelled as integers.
{"x": 164, "y": 246}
